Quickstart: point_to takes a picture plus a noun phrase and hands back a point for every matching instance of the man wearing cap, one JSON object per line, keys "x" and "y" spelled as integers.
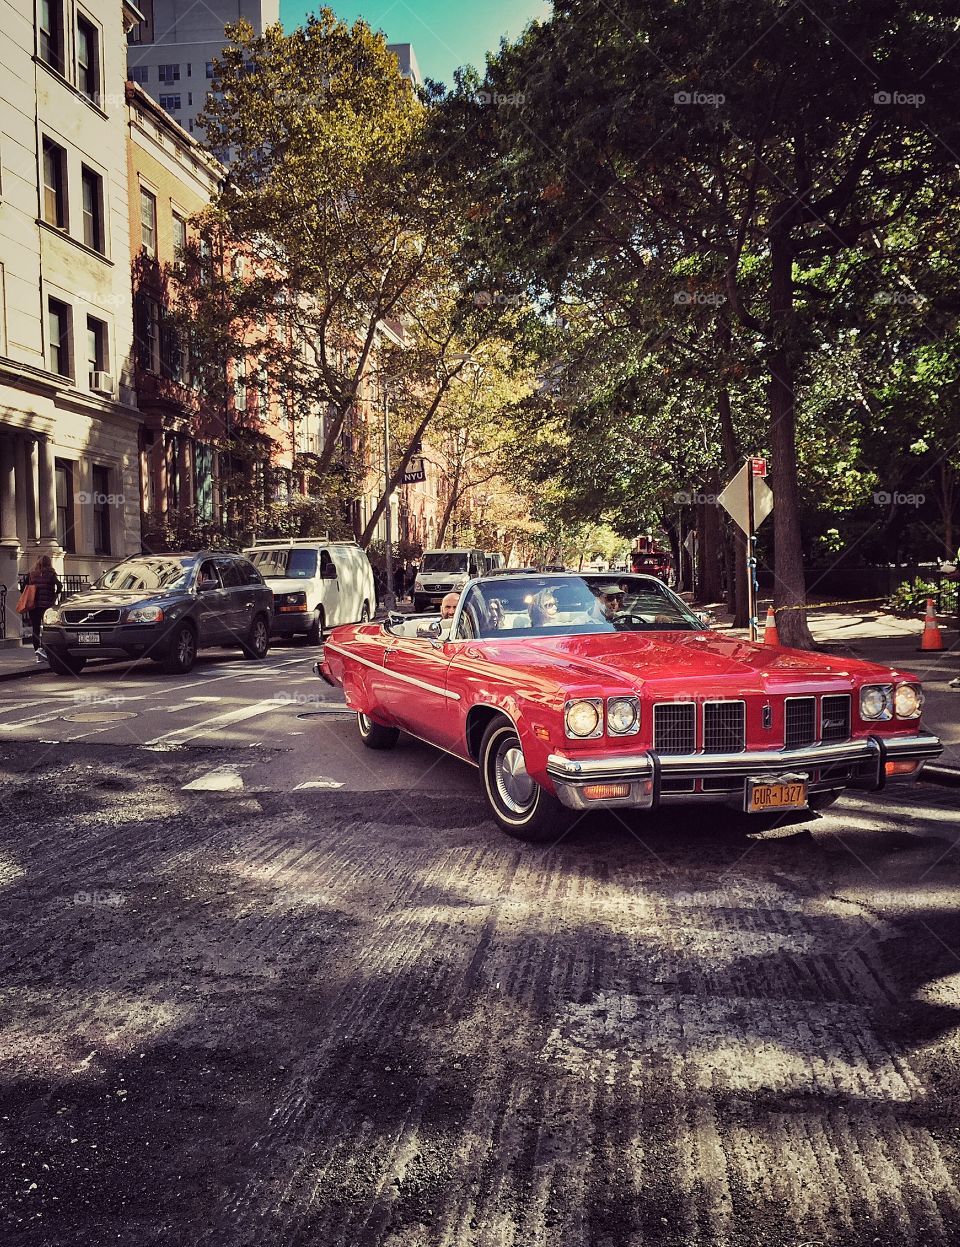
{"x": 608, "y": 599}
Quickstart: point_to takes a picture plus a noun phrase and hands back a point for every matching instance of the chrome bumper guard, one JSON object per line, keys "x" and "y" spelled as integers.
{"x": 646, "y": 772}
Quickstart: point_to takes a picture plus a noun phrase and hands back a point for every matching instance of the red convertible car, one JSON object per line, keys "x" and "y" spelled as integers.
{"x": 572, "y": 693}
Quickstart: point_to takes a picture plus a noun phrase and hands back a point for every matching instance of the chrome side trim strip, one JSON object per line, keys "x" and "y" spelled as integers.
{"x": 396, "y": 675}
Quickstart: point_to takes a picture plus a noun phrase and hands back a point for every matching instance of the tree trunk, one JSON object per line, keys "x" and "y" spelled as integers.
{"x": 710, "y": 553}
{"x": 789, "y": 586}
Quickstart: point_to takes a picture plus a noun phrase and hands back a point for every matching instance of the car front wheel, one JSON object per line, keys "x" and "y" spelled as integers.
{"x": 182, "y": 653}
{"x": 375, "y": 735}
{"x": 258, "y": 642}
{"x": 65, "y": 664}
{"x": 520, "y": 806}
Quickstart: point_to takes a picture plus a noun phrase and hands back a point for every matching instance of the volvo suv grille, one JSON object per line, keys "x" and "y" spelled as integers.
{"x": 800, "y": 720}
{"x": 675, "y": 727}
{"x": 724, "y": 727}
{"x": 835, "y": 718}
{"x": 98, "y": 617}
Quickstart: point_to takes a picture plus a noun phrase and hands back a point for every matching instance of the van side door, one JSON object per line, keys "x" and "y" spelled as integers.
{"x": 330, "y": 590}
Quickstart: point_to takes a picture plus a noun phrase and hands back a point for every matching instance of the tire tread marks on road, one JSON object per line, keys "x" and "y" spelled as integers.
{"x": 411, "y": 1034}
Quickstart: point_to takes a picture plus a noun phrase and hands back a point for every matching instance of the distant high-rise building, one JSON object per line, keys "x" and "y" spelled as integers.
{"x": 172, "y": 51}
{"x": 408, "y": 61}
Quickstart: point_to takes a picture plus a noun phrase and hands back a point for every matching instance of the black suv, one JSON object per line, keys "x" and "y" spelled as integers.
{"x": 164, "y": 607}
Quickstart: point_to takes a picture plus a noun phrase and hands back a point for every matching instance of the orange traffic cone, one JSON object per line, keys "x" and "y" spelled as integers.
{"x": 770, "y": 634}
{"x": 932, "y": 636}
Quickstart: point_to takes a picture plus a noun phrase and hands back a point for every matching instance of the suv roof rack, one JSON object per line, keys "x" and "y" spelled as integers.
{"x": 303, "y": 541}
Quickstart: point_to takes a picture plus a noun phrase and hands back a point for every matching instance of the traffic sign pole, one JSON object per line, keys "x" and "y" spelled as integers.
{"x": 751, "y": 558}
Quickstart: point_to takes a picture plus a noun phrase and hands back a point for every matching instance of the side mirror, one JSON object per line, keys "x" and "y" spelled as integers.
{"x": 706, "y": 617}
{"x": 329, "y": 572}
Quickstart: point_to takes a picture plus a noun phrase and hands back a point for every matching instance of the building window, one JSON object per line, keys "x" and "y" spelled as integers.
{"x": 240, "y": 386}
{"x": 51, "y": 33}
{"x": 168, "y": 73}
{"x": 189, "y": 70}
{"x": 65, "y": 520}
{"x": 179, "y": 236}
{"x": 58, "y": 333}
{"x": 170, "y": 102}
{"x": 97, "y": 346}
{"x": 209, "y": 69}
{"x": 148, "y": 221}
{"x": 101, "y": 510}
{"x": 140, "y": 73}
{"x": 190, "y": 99}
{"x": 88, "y": 59}
{"x": 54, "y": 184}
{"x": 152, "y": 358}
{"x": 93, "y": 232}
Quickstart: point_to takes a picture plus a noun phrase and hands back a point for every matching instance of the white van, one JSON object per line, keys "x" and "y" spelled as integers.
{"x": 444, "y": 571}
{"x": 316, "y": 584}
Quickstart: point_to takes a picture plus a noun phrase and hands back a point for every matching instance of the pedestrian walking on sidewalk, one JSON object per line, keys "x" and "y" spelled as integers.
{"x": 47, "y": 588}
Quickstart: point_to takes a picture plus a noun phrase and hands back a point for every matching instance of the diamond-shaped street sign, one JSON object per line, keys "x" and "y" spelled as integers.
{"x": 734, "y": 498}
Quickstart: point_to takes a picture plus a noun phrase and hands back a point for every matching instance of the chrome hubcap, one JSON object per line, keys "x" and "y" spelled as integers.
{"x": 514, "y": 785}
{"x": 364, "y": 723}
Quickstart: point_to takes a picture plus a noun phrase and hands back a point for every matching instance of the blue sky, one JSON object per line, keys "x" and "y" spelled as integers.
{"x": 444, "y": 33}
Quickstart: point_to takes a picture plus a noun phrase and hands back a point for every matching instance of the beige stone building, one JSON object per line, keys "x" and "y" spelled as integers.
{"x": 69, "y": 482}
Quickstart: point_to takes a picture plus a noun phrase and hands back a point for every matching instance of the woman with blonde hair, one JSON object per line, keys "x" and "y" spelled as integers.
{"x": 543, "y": 609}
{"x": 47, "y": 588}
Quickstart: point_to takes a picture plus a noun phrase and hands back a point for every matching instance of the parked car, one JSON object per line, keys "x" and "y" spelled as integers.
{"x": 164, "y": 607}
{"x": 316, "y": 584}
{"x": 444, "y": 571}
{"x": 511, "y": 571}
{"x": 587, "y": 692}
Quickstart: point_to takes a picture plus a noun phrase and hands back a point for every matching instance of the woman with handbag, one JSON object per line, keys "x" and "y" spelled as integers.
{"x": 46, "y": 586}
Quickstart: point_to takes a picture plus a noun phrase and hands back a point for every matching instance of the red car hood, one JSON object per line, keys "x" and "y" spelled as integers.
{"x": 679, "y": 661}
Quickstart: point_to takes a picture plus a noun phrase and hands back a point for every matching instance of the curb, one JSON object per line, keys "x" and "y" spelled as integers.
{"x": 25, "y": 673}
{"x": 948, "y": 776}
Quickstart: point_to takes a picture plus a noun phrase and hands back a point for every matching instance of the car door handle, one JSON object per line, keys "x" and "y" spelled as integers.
{"x": 386, "y": 656}
{"x": 472, "y": 652}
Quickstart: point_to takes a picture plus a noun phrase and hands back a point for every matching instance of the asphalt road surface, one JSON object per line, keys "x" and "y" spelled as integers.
{"x": 259, "y": 986}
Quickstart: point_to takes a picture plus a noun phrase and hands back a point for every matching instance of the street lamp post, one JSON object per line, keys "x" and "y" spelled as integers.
{"x": 388, "y": 517}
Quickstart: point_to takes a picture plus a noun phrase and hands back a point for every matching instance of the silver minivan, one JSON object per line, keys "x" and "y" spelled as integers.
{"x": 316, "y": 584}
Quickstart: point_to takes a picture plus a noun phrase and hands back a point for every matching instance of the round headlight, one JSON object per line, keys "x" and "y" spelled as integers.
{"x": 908, "y": 701}
{"x": 51, "y": 617}
{"x": 583, "y": 718}
{"x": 875, "y": 701}
{"x": 623, "y": 715}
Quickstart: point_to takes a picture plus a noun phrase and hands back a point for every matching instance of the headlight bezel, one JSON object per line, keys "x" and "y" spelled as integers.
{"x": 145, "y": 615}
{"x": 623, "y": 699}
{"x": 917, "y": 690}
{"x": 596, "y": 704}
{"x": 886, "y": 711}
{"x": 51, "y": 617}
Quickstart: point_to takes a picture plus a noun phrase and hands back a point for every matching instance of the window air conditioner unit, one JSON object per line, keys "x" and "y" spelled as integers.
{"x": 102, "y": 382}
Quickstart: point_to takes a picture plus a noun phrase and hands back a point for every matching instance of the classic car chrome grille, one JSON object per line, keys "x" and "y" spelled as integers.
{"x": 835, "y": 718}
{"x": 675, "y": 727}
{"x": 98, "y": 617}
{"x": 724, "y": 726}
{"x": 800, "y": 722}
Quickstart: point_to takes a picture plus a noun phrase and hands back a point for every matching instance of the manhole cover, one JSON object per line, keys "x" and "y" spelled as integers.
{"x": 99, "y": 716}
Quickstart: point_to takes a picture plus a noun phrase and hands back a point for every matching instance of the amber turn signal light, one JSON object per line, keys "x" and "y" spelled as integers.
{"x": 605, "y": 792}
{"x": 900, "y": 768}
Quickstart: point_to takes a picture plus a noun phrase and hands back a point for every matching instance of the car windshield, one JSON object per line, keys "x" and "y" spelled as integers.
{"x": 445, "y": 561}
{"x": 551, "y": 605}
{"x": 285, "y": 564}
{"x": 148, "y": 575}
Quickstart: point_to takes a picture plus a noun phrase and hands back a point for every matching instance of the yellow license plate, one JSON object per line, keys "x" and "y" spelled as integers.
{"x": 777, "y": 795}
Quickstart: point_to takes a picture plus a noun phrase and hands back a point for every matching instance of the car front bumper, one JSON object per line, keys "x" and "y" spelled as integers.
{"x": 117, "y": 641}
{"x": 662, "y": 779}
{"x": 291, "y": 623}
